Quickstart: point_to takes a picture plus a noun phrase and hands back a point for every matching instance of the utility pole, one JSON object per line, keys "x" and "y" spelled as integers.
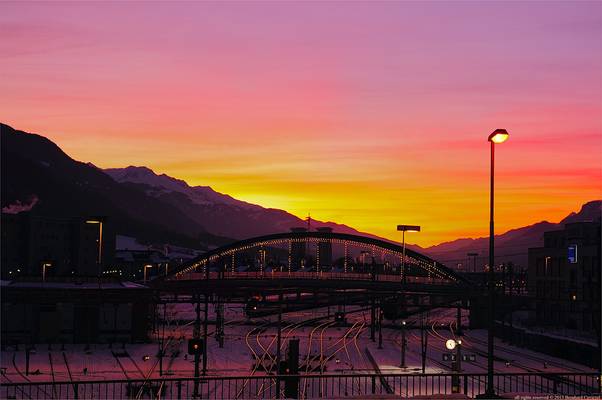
{"x": 219, "y": 329}
{"x": 27, "y": 354}
{"x": 205, "y": 321}
{"x": 279, "y": 343}
{"x": 459, "y": 355}
{"x": 403, "y": 344}
{"x": 459, "y": 319}
{"x": 504, "y": 308}
{"x": 196, "y": 335}
{"x": 162, "y": 342}
{"x": 423, "y": 341}
{"x": 511, "y": 288}
{"x": 372, "y": 319}
{"x": 380, "y": 326}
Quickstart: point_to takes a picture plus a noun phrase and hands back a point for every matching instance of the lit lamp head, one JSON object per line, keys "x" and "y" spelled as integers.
{"x": 408, "y": 228}
{"x": 498, "y": 136}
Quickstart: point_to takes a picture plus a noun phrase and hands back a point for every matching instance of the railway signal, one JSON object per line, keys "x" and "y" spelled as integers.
{"x": 195, "y": 346}
{"x": 291, "y": 383}
{"x": 403, "y": 344}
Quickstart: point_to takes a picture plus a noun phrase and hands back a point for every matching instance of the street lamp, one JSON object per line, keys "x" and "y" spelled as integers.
{"x": 145, "y": 268}
{"x": 496, "y": 137}
{"x": 403, "y": 344}
{"x": 99, "y": 259}
{"x": 547, "y": 263}
{"x": 44, "y": 266}
{"x": 404, "y": 229}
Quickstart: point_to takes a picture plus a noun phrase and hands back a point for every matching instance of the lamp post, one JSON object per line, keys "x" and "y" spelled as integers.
{"x": 547, "y": 263}
{"x": 404, "y": 229}
{"x": 403, "y": 344}
{"x": 145, "y": 268}
{"x": 44, "y": 266}
{"x": 496, "y": 137}
{"x": 99, "y": 259}
{"x": 459, "y": 355}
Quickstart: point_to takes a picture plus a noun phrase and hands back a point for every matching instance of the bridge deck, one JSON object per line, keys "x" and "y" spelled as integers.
{"x": 237, "y": 282}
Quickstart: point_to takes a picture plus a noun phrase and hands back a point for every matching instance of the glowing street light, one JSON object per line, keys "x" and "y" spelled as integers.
{"x": 145, "y": 268}
{"x": 404, "y": 229}
{"x": 496, "y": 137}
{"x": 403, "y": 344}
{"x": 44, "y": 266}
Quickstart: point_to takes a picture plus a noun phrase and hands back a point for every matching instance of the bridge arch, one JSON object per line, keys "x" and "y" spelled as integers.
{"x": 413, "y": 259}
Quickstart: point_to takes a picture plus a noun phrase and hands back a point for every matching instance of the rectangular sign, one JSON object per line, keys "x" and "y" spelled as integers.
{"x": 572, "y": 254}
{"x": 449, "y": 357}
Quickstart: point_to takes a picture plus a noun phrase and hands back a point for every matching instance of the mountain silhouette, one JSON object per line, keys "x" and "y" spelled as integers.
{"x": 216, "y": 212}
{"x": 140, "y": 203}
{"x": 511, "y": 246}
{"x": 157, "y": 208}
{"x": 35, "y": 167}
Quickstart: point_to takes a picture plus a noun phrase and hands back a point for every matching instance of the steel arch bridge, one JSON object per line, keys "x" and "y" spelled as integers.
{"x": 418, "y": 263}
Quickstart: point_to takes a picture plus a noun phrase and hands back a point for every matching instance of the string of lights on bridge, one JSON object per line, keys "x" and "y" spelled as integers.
{"x": 431, "y": 267}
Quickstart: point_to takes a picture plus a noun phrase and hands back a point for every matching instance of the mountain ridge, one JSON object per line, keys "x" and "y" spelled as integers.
{"x": 158, "y": 207}
{"x": 511, "y": 245}
{"x": 34, "y": 166}
{"x": 219, "y": 213}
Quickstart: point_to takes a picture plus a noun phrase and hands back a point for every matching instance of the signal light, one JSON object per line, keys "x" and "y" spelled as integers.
{"x": 339, "y": 317}
{"x": 195, "y": 346}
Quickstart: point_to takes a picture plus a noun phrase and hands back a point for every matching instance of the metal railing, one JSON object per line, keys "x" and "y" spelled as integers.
{"x": 352, "y": 276}
{"x": 307, "y": 386}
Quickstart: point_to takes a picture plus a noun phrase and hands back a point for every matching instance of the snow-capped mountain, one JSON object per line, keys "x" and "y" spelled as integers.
{"x": 37, "y": 176}
{"x": 162, "y": 184}
{"x": 218, "y": 213}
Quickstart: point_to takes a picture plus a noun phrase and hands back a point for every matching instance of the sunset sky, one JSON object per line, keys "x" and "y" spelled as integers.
{"x": 368, "y": 114}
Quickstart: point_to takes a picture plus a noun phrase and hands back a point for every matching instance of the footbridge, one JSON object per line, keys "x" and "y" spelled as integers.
{"x": 313, "y": 260}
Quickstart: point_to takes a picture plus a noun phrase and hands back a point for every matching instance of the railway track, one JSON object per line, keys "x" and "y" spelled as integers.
{"x": 26, "y": 378}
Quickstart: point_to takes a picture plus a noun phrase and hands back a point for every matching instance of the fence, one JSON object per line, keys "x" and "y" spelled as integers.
{"x": 323, "y": 275}
{"x": 307, "y": 386}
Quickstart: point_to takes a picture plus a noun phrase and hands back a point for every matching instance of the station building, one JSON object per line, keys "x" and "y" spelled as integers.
{"x": 33, "y": 245}
{"x": 87, "y": 312}
{"x": 564, "y": 278}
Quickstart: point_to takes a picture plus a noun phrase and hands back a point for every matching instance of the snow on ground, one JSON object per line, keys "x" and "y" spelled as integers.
{"x": 250, "y": 349}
